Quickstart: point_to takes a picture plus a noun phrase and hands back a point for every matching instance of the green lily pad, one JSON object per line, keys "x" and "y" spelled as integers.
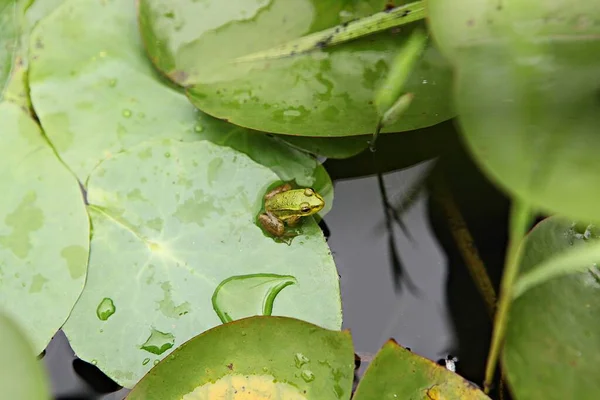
{"x": 96, "y": 93}
{"x": 21, "y": 375}
{"x": 259, "y": 358}
{"x": 398, "y": 373}
{"x": 326, "y": 92}
{"x": 527, "y": 98}
{"x": 172, "y": 221}
{"x": 9, "y": 39}
{"x": 552, "y": 349}
{"x": 335, "y": 147}
{"x": 44, "y": 230}
{"x": 16, "y": 26}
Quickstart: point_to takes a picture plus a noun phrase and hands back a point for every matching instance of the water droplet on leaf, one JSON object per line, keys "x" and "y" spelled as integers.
{"x": 307, "y": 375}
{"x": 105, "y": 309}
{"x": 300, "y": 359}
{"x": 146, "y": 361}
{"x": 126, "y": 113}
{"x": 158, "y": 342}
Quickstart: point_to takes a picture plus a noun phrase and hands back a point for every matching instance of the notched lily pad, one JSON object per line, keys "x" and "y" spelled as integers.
{"x": 44, "y": 229}
{"x": 258, "y": 358}
{"x": 397, "y": 373}
{"x": 172, "y": 221}
{"x": 552, "y": 349}
{"x": 326, "y": 92}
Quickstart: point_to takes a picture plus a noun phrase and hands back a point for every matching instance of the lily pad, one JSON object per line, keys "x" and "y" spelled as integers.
{"x": 325, "y": 92}
{"x": 44, "y": 230}
{"x": 96, "y": 93}
{"x": 9, "y": 36}
{"x": 258, "y": 358}
{"x": 527, "y": 98}
{"x": 398, "y": 373}
{"x": 336, "y": 148}
{"x": 552, "y": 349}
{"x": 172, "y": 221}
{"x": 17, "y": 18}
{"x": 21, "y": 375}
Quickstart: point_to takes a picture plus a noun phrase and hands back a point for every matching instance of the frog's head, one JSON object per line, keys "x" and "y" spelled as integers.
{"x": 311, "y": 202}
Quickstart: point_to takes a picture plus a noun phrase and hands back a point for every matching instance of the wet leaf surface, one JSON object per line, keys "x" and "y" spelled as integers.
{"x": 44, "y": 230}
{"x": 258, "y": 358}
{"x": 172, "y": 221}
{"x": 326, "y": 92}
{"x": 110, "y": 98}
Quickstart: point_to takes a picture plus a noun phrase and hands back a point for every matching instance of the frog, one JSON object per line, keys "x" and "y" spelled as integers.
{"x": 287, "y": 206}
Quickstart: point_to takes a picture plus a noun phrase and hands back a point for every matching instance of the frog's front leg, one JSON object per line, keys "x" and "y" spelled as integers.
{"x": 272, "y": 224}
{"x": 293, "y": 221}
{"x": 279, "y": 189}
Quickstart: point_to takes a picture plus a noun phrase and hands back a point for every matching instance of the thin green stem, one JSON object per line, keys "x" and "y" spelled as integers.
{"x": 343, "y": 33}
{"x": 519, "y": 221}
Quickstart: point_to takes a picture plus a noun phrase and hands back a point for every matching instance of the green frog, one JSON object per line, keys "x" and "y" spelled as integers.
{"x": 285, "y": 206}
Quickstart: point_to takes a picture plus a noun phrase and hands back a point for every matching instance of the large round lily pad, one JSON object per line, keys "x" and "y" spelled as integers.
{"x": 44, "y": 230}
{"x": 172, "y": 221}
{"x": 552, "y": 348}
{"x": 325, "y": 92}
{"x": 527, "y": 97}
{"x": 96, "y": 93}
{"x": 255, "y": 358}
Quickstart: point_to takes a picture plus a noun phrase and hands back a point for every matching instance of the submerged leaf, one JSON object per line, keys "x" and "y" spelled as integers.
{"x": 172, "y": 221}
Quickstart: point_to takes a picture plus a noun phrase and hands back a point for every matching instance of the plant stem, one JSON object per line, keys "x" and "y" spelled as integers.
{"x": 466, "y": 244}
{"x": 520, "y": 217}
{"x": 343, "y": 33}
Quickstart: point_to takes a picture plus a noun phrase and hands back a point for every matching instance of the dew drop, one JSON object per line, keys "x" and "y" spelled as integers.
{"x": 146, "y": 361}
{"x": 167, "y": 155}
{"x": 307, "y": 375}
{"x": 156, "y": 362}
{"x": 198, "y": 128}
{"x": 94, "y": 362}
{"x": 112, "y": 82}
{"x": 126, "y": 113}
{"x": 105, "y": 309}
{"x": 158, "y": 342}
{"x": 300, "y": 359}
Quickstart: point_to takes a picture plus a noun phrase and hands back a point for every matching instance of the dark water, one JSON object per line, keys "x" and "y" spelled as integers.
{"x": 408, "y": 284}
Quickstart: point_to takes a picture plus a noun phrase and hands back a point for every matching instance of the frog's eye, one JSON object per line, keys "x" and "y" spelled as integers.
{"x": 304, "y": 208}
{"x": 308, "y": 192}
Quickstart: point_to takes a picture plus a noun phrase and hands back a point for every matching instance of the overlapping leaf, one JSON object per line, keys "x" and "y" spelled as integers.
{"x": 552, "y": 349}
{"x": 326, "y": 92}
